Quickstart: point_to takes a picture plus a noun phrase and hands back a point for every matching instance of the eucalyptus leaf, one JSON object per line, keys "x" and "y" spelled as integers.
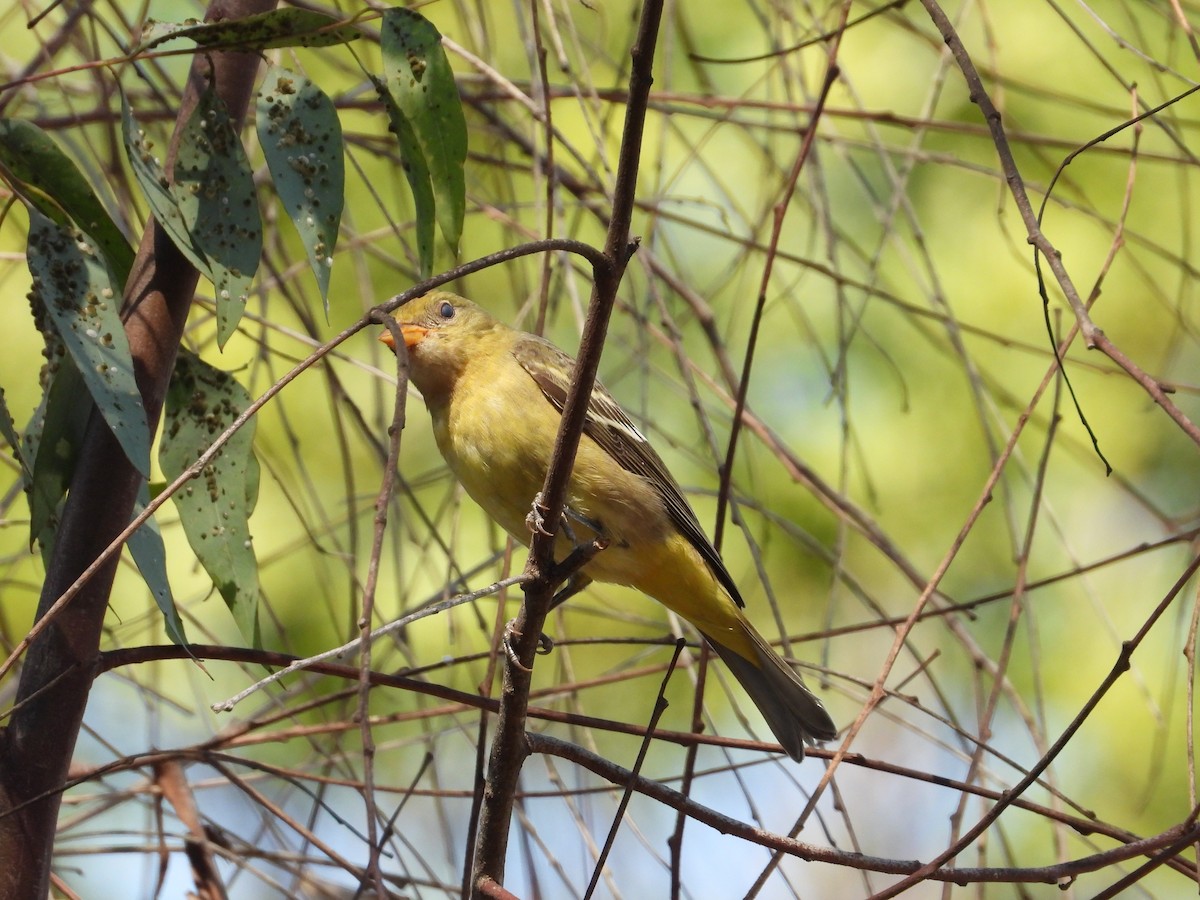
{"x": 214, "y": 188}
{"x": 8, "y": 431}
{"x": 215, "y": 506}
{"x": 76, "y": 290}
{"x": 53, "y": 439}
{"x": 420, "y": 79}
{"x": 146, "y": 548}
{"x": 210, "y": 209}
{"x": 301, "y": 138}
{"x": 264, "y": 31}
{"x": 50, "y": 180}
{"x": 417, "y": 173}
{"x": 148, "y": 171}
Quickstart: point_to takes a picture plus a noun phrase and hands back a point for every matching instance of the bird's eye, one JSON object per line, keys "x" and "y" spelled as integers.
{"x": 446, "y": 310}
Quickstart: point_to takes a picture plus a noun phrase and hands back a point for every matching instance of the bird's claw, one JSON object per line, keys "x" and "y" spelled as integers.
{"x": 509, "y": 632}
{"x": 545, "y": 645}
{"x": 536, "y": 520}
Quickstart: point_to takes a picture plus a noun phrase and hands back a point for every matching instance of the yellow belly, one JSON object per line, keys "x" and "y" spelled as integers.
{"x": 645, "y": 550}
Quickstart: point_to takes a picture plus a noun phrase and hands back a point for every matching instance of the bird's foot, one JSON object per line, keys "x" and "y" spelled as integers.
{"x": 536, "y": 520}
{"x": 570, "y": 515}
{"x": 545, "y": 645}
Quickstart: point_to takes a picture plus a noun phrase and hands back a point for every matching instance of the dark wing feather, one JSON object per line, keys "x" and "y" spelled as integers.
{"x": 608, "y": 425}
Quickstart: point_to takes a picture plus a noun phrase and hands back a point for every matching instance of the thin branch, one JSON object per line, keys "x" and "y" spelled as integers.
{"x": 1171, "y": 838}
{"x": 1092, "y": 335}
{"x": 373, "y": 317}
{"x": 1120, "y": 667}
{"x": 508, "y": 749}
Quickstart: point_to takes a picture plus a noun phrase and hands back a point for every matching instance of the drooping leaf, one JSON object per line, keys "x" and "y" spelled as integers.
{"x": 264, "y": 31}
{"x": 210, "y": 209}
{"x": 139, "y": 149}
{"x": 214, "y": 187}
{"x": 8, "y": 431}
{"x": 75, "y": 287}
{"x": 215, "y": 506}
{"x": 417, "y": 174}
{"x": 146, "y": 548}
{"x": 421, "y": 82}
{"x": 53, "y": 439}
{"x": 48, "y": 179}
{"x": 21, "y": 453}
{"x": 301, "y": 138}
{"x": 51, "y": 181}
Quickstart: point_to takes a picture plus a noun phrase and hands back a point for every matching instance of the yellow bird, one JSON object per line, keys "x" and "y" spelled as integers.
{"x": 496, "y": 397}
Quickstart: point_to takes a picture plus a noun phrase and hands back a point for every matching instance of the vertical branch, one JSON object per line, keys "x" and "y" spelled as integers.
{"x": 779, "y": 212}
{"x": 509, "y": 748}
{"x": 544, "y": 162}
{"x": 37, "y": 746}
{"x": 777, "y": 217}
{"x": 373, "y": 877}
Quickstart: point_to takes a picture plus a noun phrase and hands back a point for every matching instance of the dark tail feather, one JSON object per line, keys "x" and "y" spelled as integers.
{"x": 793, "y": 712}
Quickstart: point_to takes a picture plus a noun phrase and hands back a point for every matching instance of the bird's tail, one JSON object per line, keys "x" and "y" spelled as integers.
{"x": 793, "y": 712}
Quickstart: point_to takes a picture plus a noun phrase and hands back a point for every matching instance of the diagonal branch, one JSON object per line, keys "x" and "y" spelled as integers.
{"x": 1094, "y": 337}
{"x": 37, "y": 746}
{"x": 509, "y": 749}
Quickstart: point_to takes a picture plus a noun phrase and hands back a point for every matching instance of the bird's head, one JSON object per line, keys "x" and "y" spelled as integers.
{"x": 443, "y": 333}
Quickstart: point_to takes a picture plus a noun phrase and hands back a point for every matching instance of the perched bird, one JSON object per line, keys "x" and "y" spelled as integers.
{"x": 496, "y": 397}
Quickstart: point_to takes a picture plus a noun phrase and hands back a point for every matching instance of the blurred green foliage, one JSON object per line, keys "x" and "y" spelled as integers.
{"x": 902, "y": 341}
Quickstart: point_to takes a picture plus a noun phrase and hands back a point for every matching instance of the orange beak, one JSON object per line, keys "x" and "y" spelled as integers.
{"x": 413, "y": 335}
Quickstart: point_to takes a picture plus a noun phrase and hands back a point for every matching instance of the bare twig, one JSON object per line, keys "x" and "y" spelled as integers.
{"x": 508, "y": 750}
{"x": 1092, "y": 335}
{"x": 1173, "y": 838}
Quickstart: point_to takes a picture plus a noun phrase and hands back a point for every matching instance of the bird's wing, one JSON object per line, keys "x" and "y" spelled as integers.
{"x": 609, "y": 426}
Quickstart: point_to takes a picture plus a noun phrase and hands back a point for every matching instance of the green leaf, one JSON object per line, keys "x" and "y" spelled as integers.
{"x": 148, "y": 172}
{"x": 50, "y": 180}
{"x": 74, "y": 285}
{"x": 210, "y": 209}
{"x": 417, "y": 173}
{"x": 265, "y": 31}
{"x": 53, "y": 439}
{"x": 146, "y": 548}
{"x": 215, "y": 507}
{"x": 420, "y": 80}
{"x": 21, "y": 451}
{"x": 8, "y": 431}
{"x": 215, "y": 191}
{"x": 301, "y": 138}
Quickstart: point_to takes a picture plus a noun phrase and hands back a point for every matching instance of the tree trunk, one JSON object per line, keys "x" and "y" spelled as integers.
{"x": 37, "y": 746}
